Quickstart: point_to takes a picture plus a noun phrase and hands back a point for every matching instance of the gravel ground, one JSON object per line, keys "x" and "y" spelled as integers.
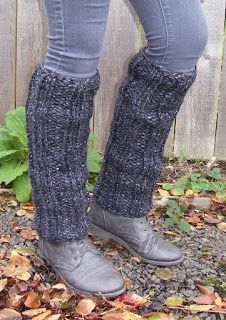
{"x": 205, "y": 259}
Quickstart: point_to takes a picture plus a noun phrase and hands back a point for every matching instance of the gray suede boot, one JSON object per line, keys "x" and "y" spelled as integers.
{"x": 148, "y": 101}
{"x": 135, "y": 234}
{"x": 82, "y": 267}
{"x": 58, "y": 111}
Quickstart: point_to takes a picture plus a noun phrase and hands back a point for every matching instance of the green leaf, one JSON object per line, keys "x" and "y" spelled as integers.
{"x": 4, "y": 153}
{"x": 184, "y": 226}
{"x": 174, "y": 301}
{"x": 200, "y": 307}
{"x": 194, "y": 176}
{"x": 4, "y": 134}
{"x": 177, "y": 191}
{"x": 93, "y": 161}
{"x": 182, "y": 183}
{"x": 90, "y": 186}
{"x": 15, "y": 121}
{"x": 203, "y": 184}
{"x": 92, "y": 137}
{"x": 168, "y": 222}
{"x": 22, "y": 187}
{"x": 11, "y": 169}
{"x": 214, "y": 173}
{"x": 183, "y": 208}
{"x": 167, "y": 186}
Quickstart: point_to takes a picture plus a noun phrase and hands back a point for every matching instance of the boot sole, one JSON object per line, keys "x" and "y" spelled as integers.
{"x": 82, "y": 292}
{"x": 101, "y": 233}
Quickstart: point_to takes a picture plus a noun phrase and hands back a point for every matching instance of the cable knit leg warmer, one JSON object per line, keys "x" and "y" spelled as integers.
{"x": 148, "y": 101}
{"x": 58, "y": 111}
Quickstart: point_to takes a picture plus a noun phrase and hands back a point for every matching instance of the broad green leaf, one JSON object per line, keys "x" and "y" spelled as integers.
{"x": 92, "y": 136}
{"x": 184, "y": 226}
{"x": 11, "y": 169}
{"x": 177, "y": 191}
{"x": 90, "y": 186}
{"x": 168, "y": 222}
{"x": 15, "y": 121}
{"x": 4, "y": 134}
{"x": 4, "y": 153}
{"x": 22, "y": 187}
{"x": 214, "y": 173}
{"x": 174, "y": 301}
{"x": 167, "y": 186}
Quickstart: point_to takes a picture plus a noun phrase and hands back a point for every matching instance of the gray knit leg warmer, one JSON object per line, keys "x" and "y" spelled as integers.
{"x": 147, "y": 104}
{"x": 58, "y": 111}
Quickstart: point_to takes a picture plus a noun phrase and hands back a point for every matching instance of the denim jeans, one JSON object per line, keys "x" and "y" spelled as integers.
{"x": 176, "y": 33}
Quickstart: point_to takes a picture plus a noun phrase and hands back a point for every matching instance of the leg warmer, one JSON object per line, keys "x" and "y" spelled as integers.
{"x": 58, "y": 111}
{"x": 148, "y": 101}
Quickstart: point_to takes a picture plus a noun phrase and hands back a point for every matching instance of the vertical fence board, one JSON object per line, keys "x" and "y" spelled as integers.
{"x": 196, "y": 122}
{"x": 31, "y": 43}
{"x": 7, "y": 55}
{"x": 120, "y": 44}
{"x": 220, "y": 148}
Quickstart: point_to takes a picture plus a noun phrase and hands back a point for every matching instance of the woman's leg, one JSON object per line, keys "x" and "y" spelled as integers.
{"x": 176, "y": 32}
{"x": 149, "y": 99}
{"x": 58, "y": 111}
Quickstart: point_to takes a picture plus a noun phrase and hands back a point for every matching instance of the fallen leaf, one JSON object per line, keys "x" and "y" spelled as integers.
{"x": 222, "y": 226}
{"x": 24, "y": 251}
{"x": 136, "y": 259}
{"x": 174, "y": 301}
{"x": 205, "y": 299}
{"x": 21, "y": 213}
{"x": 29, "y": 234}
{"x": 219, "y": 302}
{"x": 85, "y": 307}
{"x": 4, "y": 239}
{"x": 164, "y": 193}
{"x": 200, "y": 308}
{"x": 170, "y": 233}
{"x": 19, "y": 272}
{"x": 191, "y": 318}
{"x": 164, "y": 273}
{"x": 112, "y": 253}
{"x": 33, "y": 312}
{"x": 131, "y": 299}
{"x": 3, "y": 253}
{"x": 28, "y": 206}
{"x": 204, "y": 290}
{"x": 122, "y": 316}
{"x": 160, "y": 316}
{"x": 53, "y": 317}
{"x": 189, "y": 193}
{"x": 43, "y": 315}
{"x": 18, "y": 260}
{"x": 210, "y": 219}
{"x": 9, "y": 314}
{"x": 3, "y": 283}
{"x": 32, "y": 300}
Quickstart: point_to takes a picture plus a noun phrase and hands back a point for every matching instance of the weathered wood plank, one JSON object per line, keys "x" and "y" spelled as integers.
{"x": 220, "y": 147}
{"x": 31, "y": 43}
{"x": 121, "y": 42}
{"x": 7, "y": 55}
{"x": 196, "y": 122}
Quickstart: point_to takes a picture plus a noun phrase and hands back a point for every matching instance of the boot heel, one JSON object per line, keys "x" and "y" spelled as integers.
{"x": 100, "y": 233}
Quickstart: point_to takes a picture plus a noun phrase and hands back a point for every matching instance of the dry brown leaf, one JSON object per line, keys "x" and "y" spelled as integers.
{"x": 222, "y": 226}
{"x": 205, "y": 299}
{"x": 189, "y": 193}
{"x": 203, "y": 289}
{"x": 9, "y": 314}
{"x": 164, "y": 193}
{"x": 170, "y": 233}
{"x": 59, "y": 286}
{"x": 112, "y": 253}
{"x": 53, "y": 317}
{"x": 4, "y": 239}
{"x": 21, "y": 212}
{"x": 24, "y": 251}
{"x": 136, "y": 259}
{"x": 210, "y": 219}
{"x": 28, "y": 206}
{"x": 85, "y": 307}
{"x": 19, "y": 272}
{"x": 43, "y": 315}
{"x": 18, "y": 260}
{"x": 32, "y": 300}
{"x": 219, "y": 302}
{"x": 3, "y": 283}
{"x": 122, "y": 316}
{"x": 33, "y": 312}
{"x": 3, "y": 253}
{"x": 29, "y": 234}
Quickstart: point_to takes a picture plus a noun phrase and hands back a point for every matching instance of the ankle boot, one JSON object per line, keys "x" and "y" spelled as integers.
{"x": 148, "y": 101}
{"x": 135, "y": 234}
{"x": 58, "y": 111}
{"x": 82, "y": 267}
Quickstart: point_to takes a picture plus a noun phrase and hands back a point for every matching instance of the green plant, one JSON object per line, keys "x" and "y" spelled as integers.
{"x": 14, "y": 162}
{"x": 198, "y": 184}
{"x": 175, "y": 216}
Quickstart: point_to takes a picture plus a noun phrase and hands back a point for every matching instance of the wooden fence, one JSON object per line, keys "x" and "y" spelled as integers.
{"x": 198, "y": 132}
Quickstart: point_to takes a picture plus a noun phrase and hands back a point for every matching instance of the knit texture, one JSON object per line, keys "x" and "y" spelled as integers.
{"x": 148, "y": 101}
{"x": 58, "y": 111}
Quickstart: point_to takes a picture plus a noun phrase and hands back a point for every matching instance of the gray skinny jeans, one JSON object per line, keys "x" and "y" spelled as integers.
{"x": 176, "y": 33}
